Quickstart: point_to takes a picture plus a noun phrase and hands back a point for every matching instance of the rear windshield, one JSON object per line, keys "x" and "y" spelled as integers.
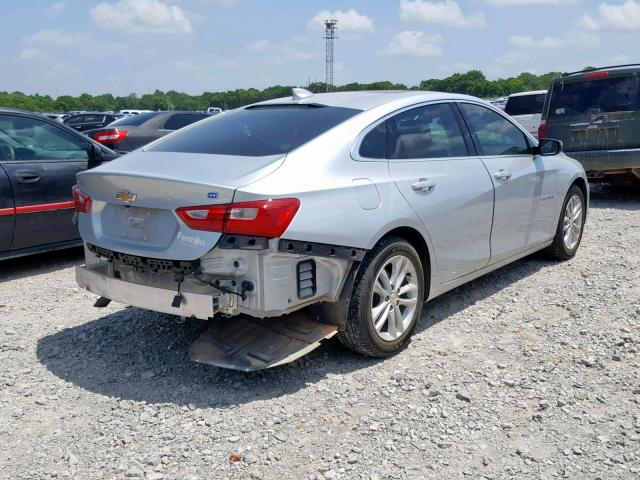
{"x": 256, "y": 131}
{"x": 525, "y": 104}
{"x": 133, "y": 120}
{"x": 594, "y": 96}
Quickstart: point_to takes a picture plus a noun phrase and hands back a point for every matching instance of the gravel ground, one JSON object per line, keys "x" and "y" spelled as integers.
{"x": 530, "y": 372}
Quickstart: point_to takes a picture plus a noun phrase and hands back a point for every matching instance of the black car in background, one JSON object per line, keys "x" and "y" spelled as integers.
{"x": 91, "y": 120}
{"x": 596, "y": 114}
{"x": 39, "y": 159}
{"x": 129, "y": 133}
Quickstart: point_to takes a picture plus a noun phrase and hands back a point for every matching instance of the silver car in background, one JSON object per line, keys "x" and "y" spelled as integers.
{"x": 318, "y": 214}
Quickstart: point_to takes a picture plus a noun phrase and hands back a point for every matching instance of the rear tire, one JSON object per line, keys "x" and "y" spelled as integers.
{"x": 386, "y": 300}
{"x": 570, "y": 226}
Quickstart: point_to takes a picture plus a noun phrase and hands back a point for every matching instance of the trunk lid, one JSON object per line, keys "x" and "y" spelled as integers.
{"x": 134, "y": 199}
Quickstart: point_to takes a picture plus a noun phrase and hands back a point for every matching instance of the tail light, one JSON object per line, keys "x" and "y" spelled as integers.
{"x": 109, "y": 137}
{"x": 542, "y": 130}
{"x": 81, "y": 201}
{"x": 262, "y": 218}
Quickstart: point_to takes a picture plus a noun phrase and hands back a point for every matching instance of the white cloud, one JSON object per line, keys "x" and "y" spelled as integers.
{"x": 511, "y": 3}
{"x": 141, "y": 16}
{"x": 349, "y": 21}
{"x": 446, "y": 12}
{"x": 625, "y": 16}
{"x": 570, "y": 39}
{"x": 587, "y": 22}
{"x": 55, "y": 9}
{"x": 528, "y": 41}
{"x": 56, "y": 38}
{"x": 271, "y": 53}
{"x": 30, "y": 53}
{"x": 413, "y": 44}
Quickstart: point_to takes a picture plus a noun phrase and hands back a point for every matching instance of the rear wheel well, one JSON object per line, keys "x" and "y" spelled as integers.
{"x": 418, "y": 242}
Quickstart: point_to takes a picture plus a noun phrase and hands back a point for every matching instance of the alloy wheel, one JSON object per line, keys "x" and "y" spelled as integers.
{"x": 572, "y": 223}
{"x": 395, "y": 298}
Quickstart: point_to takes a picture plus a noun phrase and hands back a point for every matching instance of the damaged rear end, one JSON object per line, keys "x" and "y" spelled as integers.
{"x": 169, "y": 243}
{"x": 151, "y": 242}
{"x": 164, "y": 230}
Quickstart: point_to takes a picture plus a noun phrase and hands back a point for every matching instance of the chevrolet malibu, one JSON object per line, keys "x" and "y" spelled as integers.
{"x": 346, "y": 211}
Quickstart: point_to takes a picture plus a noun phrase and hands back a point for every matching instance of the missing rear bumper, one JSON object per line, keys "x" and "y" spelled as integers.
{"x": 247, "y": 344}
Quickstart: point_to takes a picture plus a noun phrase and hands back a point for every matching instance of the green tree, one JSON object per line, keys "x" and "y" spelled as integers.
{"x": 473, "y": 82}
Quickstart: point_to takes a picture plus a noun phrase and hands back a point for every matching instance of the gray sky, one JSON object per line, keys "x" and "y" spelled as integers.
{"x": 124, "y": 46}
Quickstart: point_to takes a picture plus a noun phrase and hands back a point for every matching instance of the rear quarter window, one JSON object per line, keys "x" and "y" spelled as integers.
{"x": 525, "y": 104}
{"x": 256, "y": 131}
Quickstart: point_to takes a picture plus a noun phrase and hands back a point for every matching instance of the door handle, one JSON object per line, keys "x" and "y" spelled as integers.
{"x": 502, "y": 174}
{"x": 27, "y": 177}
{"x": 423, "y": 185}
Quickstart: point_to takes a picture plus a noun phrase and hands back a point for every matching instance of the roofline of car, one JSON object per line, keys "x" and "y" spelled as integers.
{"x": 611, "y": 67}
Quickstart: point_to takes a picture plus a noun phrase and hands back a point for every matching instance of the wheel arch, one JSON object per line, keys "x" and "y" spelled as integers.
{"x": 583, "y": 185}
{"x": 417, "y": 241}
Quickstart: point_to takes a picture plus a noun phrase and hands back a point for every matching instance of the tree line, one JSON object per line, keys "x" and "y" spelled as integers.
{"x": 472, "y": 82}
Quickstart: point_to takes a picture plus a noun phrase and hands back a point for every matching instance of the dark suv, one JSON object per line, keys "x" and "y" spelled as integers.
{"x": 596, "y": 114}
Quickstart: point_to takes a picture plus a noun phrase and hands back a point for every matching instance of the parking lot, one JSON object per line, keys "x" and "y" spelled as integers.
{"x": 530, "y": 372}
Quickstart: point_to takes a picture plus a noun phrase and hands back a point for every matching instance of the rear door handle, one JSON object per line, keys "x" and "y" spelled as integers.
{"x": 27, "y": 177}
{"x": 423, "y": 185}
{"x": 502, "y": 174}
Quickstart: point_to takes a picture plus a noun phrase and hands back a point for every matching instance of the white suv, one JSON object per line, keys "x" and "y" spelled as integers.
{"x": 526, "y": 109}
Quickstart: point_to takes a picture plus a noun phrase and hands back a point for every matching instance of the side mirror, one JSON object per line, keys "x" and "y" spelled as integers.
{"x": 95, "y": 156}
{"x": 548, "y": 147}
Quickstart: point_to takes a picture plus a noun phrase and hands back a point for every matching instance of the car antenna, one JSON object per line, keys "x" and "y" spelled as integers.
{"x": 301, "y": 93}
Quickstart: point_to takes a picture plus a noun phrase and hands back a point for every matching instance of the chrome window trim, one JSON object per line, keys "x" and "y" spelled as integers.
{"x": 532, "y": 140}
{"x": 355, "y": 148}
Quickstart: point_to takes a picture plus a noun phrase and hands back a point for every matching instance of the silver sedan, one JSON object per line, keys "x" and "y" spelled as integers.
{"x": 357, "y": 207}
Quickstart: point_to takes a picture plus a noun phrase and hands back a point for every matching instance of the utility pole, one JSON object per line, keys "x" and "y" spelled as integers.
{"x": 330, "y": 36}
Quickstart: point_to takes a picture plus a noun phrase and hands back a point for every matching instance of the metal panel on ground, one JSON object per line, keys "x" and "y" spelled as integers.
{"x": 247, "y": 344}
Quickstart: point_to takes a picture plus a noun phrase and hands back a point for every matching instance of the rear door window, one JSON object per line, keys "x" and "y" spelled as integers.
{"x": 492, "y": 133}
{"x": 525, "y": 104}
{"x": 618, "y": 94}
{"x": 257, "y": 131}
{"x": 431, "y": 131}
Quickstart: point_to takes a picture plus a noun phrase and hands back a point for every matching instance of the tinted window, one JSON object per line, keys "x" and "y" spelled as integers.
{"x": 594, "y": 96}
{"x": 78, "y": 119}
{"x": 374, "y": 144}
{"x": 182, "y": 120}
{"x": 525, "y": 104}
{"x": 425, "y": 132}
{"x": 492, "y": 133}
{"x": 23, "y": 138}
{"x": 134, "y": 120}
{"x": 257, "y": 131}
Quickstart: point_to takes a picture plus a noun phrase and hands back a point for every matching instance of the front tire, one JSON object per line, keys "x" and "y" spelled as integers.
{"x": 386, "y": 300}
{"x": 570, "y": 226}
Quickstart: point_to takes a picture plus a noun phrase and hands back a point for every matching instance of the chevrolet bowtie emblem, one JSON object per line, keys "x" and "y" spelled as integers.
{"x": 126, "y": 197}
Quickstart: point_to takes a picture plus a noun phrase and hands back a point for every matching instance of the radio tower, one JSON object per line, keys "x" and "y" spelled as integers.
{"x": 330, "y": 36}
